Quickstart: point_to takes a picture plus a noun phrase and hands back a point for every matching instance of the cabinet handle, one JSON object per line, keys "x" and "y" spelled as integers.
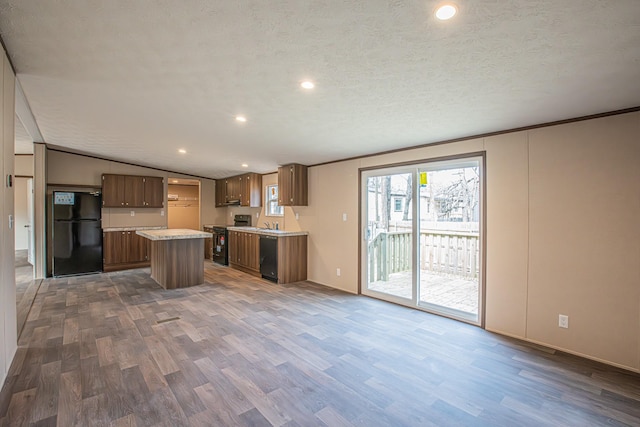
{"x": 127, "y": 203}
{"x": 122, "y": 203}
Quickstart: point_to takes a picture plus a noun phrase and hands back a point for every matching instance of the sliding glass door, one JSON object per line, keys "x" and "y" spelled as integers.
{"x": 389, "y": 234}
{"x": 422, "y": 236}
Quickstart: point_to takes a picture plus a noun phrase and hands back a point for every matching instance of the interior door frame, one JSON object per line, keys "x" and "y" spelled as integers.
{"x": 362, "y": 255}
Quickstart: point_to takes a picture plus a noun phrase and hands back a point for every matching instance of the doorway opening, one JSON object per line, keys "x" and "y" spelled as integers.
{"x": 423, "y": 236}
{"x": 26, "y": 285}
{"x": 183, "y": 197}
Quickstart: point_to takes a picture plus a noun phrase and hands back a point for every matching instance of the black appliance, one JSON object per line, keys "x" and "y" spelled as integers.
{"x": 219, "y": 252}
{"x": 77, "y": 233}
{"x": 219, "y": 246}
{"x": 269, "y": 258}
{"x": 242, "y": 221}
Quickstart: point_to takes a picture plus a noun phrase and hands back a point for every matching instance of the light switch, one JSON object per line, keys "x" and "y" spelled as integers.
{"x": 344, "y": 216}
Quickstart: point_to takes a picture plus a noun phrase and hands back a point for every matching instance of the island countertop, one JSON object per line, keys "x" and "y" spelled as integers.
{"x": 173, "y": 234}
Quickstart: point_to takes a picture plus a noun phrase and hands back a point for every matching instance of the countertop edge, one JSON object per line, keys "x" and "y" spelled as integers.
{"x": 267, "y": 232}
{"x": 134, "y": 228}
{"x": 174, "y": 234}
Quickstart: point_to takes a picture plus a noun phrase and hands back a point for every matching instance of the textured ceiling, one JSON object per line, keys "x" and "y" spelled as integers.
{"x": 136, "y": 80}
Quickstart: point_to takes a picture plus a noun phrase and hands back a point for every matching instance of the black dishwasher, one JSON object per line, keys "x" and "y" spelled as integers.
{"x": 269, "y": 258}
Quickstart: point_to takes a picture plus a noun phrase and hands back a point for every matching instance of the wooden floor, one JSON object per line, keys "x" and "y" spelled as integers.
{"x": 117, "y": 350}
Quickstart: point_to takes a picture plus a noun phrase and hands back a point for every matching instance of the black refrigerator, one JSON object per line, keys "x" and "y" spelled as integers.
{"x": 77, "y": 233}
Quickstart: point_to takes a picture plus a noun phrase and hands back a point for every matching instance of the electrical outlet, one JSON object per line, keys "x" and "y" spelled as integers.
{"x": 344, "y": 216}
{"x": 133, "y": 213}
{"x": 161, "y": 213}
{"x": 338, "y": 272}
{"x": 563, "y": 321}
{"x": 297, "y": 216}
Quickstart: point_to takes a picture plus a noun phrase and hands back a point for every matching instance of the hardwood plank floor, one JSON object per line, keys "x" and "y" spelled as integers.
{"x": 117, "y": 350}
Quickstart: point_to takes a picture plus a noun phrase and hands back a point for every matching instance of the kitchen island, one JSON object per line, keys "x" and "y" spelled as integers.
{"x": 176, "y": 256}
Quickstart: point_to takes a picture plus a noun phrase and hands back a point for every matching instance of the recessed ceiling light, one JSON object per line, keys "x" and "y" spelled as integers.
{"x": 244, "y": 165}
{"x": 307, "y": 84}
{"x": 446, "y": 11}
{"x": 241, "y": 119}
{"x": 182, "y": 151}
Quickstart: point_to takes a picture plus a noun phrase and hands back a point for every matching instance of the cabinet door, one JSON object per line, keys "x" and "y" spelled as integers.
{"x": 284, "y": 186}
{"x": 114, "y": 247}
{"x": 232, "y": 247}
{"x": 292, "y": 185}
{"x": 113, "y": 191}
{"x": 134, "y": 191}
{"x": 221, "y": 192}
{"x": 153, "y": 192}
{"x": 253, "y": 190}
{"x": 243, "y": 192}
{"x": 242, "y": 249}
{"x": 254, "y": 252}
{"x": 299, "y": 185}
{"x": 237, "y": 187}
{"x": 136, "y": 248}
{"x": 208, "y": 246}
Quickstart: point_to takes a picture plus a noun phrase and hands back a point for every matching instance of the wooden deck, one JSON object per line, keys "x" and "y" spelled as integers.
{"x": 115, "y": 349}
{"x": 450, "y": 291}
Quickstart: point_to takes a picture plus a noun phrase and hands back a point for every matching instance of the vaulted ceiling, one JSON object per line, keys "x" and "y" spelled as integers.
{"x": 139, "y": 80}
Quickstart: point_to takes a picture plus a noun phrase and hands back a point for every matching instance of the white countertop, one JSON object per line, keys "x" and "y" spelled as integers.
{"x": 173, "y": 234}
{"x": 268, "y": 232}
{"x": 133, "y": 228}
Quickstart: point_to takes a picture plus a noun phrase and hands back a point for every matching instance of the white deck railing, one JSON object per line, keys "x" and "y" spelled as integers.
{"x": 449, "y": 252}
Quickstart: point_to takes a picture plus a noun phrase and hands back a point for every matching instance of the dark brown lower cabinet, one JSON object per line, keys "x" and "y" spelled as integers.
{"x": 244, "y": 251}
{"x": 122, "y": 250}
{"x": 292, "y": 259}
{"x": 244, "y": 254}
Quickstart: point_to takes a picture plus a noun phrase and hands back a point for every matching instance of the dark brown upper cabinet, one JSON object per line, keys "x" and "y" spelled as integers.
{"x": 129, "y": 191}
{"x": 243, "y": 190}
{"x": 153, "y": 192}
{"x": 293, "y": 185}
{"x": 221, "y": 192}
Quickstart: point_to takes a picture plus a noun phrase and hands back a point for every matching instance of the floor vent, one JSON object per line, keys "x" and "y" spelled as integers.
{"x": 167, "y": 320}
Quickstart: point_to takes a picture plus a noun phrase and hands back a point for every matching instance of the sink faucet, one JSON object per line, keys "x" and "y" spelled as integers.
{"x": 268, "y": 226}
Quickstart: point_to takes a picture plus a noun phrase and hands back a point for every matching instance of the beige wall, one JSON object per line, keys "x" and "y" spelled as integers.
{"x": 8, "y": 332}
{"x": 562, "y": 232}
{"x": 23, "y": 164}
